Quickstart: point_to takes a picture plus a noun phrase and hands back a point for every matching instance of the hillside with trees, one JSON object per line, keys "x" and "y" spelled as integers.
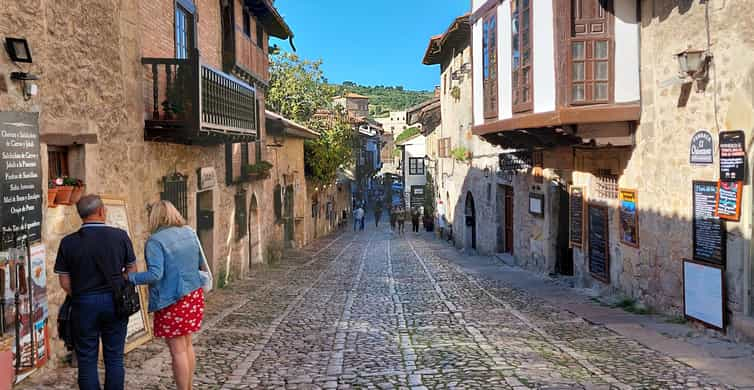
{"x": 383, "y": 99}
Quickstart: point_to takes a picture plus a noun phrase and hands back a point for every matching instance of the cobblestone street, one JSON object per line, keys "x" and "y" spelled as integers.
{"x": 377, "y": 311}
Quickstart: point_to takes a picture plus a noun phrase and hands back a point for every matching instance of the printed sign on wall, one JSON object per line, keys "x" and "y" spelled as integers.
{"x": 732, "y": 155}
{"x": 708, "y": 229}
{"x": 728, "y": 202}
{"x": 629, "y": 218}
{"x": 701, "y": 149}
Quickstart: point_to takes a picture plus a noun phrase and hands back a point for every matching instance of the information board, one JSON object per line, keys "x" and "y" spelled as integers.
{"x": 704, "y": 293}
{"x": 577, "y": 217}
{"x": 599, "y": 242}
{"x": 20, "y": 176}
{"x": 708, "y": 230}
{"x": 728, "y": 201}
{"x": 138, "y": 331}
{"x": 629, "y": 217}
{"x": 536, "y": 204}
{"x": 732, "y": 155}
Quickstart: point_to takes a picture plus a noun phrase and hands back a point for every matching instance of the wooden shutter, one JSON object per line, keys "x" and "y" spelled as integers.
{"x": 522, "y": 55}
{"x": 489, "y": 67}
{"x": 591, "y": 52}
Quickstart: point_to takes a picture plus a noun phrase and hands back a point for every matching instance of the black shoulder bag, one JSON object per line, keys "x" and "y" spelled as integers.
{"x": 65, "y": 326}
{"x": 125, "y": 296}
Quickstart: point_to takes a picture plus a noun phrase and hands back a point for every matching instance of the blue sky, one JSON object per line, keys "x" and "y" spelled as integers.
{"x": 378, "y": 42}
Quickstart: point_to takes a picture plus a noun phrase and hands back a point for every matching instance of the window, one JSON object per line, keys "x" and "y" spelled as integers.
{"x": 236, "y": 158}
{"x": 246, "y": 22}
{"x": 184, "y": 29}
{"x": 240, "y": 214}
{"x": 260, "y": 35}
{"x": 606, "y": 184}
{"x": 415, "y": 166}
{"x": 175, "y": 191}
{"x": 590, "y": 52}
{"x": 443, "y": 147}
{"x": 489, "y": 64}
{"x": 57, "y": 162}
{"x": 522, "y": 55}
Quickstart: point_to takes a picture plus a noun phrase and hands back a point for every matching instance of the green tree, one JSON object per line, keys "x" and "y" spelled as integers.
{"x": 297, "y": 90}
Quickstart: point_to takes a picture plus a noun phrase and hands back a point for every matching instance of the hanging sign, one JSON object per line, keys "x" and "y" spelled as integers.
{"x": 207, "y": 178}
{"x": 704, "y": 293}
{"x": 629, "y": 218}
{"x": 20, "y": 176}
{"x": 728, "y": 202}
{"x": 701, "y": 150}
{"x": 708, "y": 230}
{"x": 599, "y": 243}
{"x": 576, "y": 223}
{"x": 732, "y": 155}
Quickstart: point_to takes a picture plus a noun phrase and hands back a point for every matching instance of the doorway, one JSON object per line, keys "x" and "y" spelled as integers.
{"x": 205, "y": 223}
{"x": 564, "y": 253}
{"x": 504, "y": 202}
{"x": 288, "y": 219}
{"x": 470, "y": 221}
{"x": 255, "y": 232}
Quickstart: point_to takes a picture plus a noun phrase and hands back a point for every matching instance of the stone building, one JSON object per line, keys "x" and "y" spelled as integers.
{"x": 357, "y": 106}
{"x": 109, "y": 116}
{"x": 413, "y": 168}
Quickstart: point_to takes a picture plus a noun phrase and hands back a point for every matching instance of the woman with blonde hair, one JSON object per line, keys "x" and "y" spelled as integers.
{"x": 174, "y": 258}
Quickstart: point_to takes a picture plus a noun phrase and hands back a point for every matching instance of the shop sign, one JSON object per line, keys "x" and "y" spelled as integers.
{"x": 20, "y": 177}
{"x": 732, "y": 155}
{"x": 629, "y": 217}
{"x": 708, "y": 230}
{"x": 599, "y": 242}
{"x": 207, "y": 178}
{"x": 577, "y": 216}
{"x": 701, "y": 151}
{"x": 728, "y": 202}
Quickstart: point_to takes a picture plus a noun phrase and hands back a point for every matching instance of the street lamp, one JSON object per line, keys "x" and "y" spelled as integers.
{"x": 693, "y": 63}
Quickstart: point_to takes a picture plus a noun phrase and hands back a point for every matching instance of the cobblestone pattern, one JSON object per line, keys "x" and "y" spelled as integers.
{"x": 379, "y": 312}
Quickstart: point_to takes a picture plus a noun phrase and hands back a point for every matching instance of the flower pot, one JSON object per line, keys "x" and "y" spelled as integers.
{"x": 64, "y": 195}
{"x": 51, "y": 194}
{"x": 77, "y": 193}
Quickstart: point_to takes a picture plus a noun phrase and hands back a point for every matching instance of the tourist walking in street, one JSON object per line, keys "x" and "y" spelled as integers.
{"x": 85, "y": 264}
{"x": 174, "y": 258}
{"x": 393, "y": 221}
{"x": 400, "y": 218}
{"x": 415, "y": 216}
{"x": 441, "y": 218}
{"x": 377, "y": 213}
{"x": 358, "y": 219}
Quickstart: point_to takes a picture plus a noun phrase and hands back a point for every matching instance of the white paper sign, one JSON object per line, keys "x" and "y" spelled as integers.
{"x": 703, "y": 293}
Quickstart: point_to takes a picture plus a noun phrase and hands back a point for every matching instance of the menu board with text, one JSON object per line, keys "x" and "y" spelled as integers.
{"x": 599, "y": 242}
{"x": 728, "y": 203}
{"x": 732, "y": 155}
{"x": 577, "y": 216}
{"x": 708, "y": 229}
{"x": 20, "y": 176}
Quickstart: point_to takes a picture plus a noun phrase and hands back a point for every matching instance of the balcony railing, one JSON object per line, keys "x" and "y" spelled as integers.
{"x": 191, "y": 103}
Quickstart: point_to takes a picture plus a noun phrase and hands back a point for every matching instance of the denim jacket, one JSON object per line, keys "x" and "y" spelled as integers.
{"x": 173, "y": 260}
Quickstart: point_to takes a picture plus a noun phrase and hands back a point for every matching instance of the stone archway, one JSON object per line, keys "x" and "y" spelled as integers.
{"x": 255, "y": 232}
{"x": 470, "y": 209}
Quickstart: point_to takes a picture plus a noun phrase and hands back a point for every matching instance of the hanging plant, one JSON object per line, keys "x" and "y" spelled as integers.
{"x": 461, "y": 154}
{"x": 259, "y": 170}
{"x": 456, "y": 93}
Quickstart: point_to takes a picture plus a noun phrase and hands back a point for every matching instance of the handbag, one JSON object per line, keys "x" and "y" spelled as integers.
{"x": 205, "y": 274}
{"x": 65, "y": 325}
{"x": 125, "y": 296}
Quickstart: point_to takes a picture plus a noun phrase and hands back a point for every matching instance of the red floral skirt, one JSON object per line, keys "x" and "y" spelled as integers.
{"x": 181, "y": 318}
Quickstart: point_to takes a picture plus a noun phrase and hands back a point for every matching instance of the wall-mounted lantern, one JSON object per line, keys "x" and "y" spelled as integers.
{"x": 18, "y": 51}
{"x": 694, "y": 64}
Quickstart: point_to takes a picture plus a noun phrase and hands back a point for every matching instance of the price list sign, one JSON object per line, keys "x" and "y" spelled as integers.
{"x": 732, "y": 155}
{"x": 599, "y": 242}
{"x": 20, "y": 176}
{"x": 708, "y": 230}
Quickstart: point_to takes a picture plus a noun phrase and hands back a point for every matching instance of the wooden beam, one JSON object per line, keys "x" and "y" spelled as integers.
{"x": 483, "y": 9}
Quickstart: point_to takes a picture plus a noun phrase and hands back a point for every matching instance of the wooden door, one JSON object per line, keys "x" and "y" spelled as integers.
{"x": 508, "y": 220}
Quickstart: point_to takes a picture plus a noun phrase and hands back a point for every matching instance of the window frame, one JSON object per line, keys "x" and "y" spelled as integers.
{"x": 589, "y": 81}
{"x": 188, "y": 8}
{"x": 57, "y": 161}
{"x": 517, "y": 74}
{"x": 260, "y": 33}
{"x": 246, "y": 22}
{"x": 416, "y": 169}
{"x": 490, "y": 63}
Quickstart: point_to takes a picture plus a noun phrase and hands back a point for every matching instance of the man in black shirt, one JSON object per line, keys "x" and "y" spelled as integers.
{"x": 93, "y": 309}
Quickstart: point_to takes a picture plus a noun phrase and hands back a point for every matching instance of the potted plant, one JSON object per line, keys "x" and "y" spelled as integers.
{"x": 65, "y": 189}
{"x": 461, "y": 154}
{"x": 259, "y": 170}
{"x": 52, "y": 192}
{"x": 78, "y": 190}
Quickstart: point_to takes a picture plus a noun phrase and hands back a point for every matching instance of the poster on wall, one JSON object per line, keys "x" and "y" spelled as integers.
{"x": 732, "y": 155}
{"x": 537, "y": 204}
{"x": 40, "y": 310}
{"x": 728, "y": 201}
{"x": 708, "y": 229}
{"x": 701, "y": 150}
{"x": 629, "y": 218}
{"x": 20, "y": 177}
{"x": 576, "y": 235}
{"x": 704, "y": 293}
{"x": 599, "y": 242}
{"x": 138, "y": 331}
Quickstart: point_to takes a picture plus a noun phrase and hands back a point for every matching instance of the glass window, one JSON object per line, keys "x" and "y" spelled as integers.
{"x": 415, "y": 166}
{"x": 184, "y": 30}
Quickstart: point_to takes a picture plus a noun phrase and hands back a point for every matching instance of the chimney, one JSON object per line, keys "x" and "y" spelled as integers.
{"x": 437, "y": 91}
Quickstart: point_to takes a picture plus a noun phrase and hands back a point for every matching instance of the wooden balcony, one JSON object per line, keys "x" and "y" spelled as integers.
{"x": 187, "y": 102}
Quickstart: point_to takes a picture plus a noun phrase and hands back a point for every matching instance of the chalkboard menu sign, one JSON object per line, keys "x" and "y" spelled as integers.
{"x": 599, "y": 243}
{"x": 577, "y": 216}
{"x": 732, "y": 155}
{"x": 20, "y": 176}
{"x": 708, "y": 230}
{"x": 728, "y": 203}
